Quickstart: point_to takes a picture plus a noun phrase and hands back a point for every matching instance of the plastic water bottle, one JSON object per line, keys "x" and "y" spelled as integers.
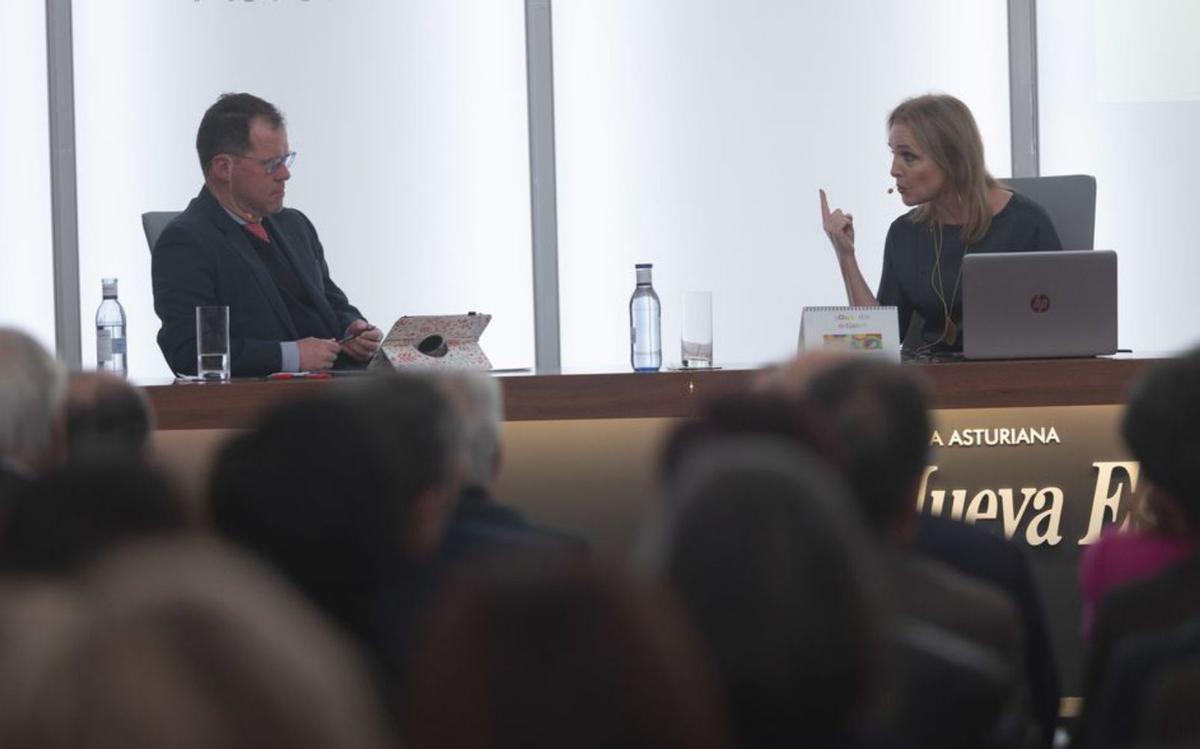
{"x": 645, "y": 324}
{"x": 110, "y": 331}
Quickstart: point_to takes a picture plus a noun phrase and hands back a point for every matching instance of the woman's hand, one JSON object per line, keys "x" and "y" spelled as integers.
{"x": 839, "y": 227}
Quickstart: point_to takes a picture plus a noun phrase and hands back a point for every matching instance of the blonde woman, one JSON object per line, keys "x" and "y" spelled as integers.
{"x": 957, "y": 208}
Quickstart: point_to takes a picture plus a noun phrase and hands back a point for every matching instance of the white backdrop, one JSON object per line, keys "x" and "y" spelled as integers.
{"x": 1120, "y": 98}
{"x": 409, "y": 119}
{"x": 694, "y": 134}
{"x": 690, "y": 133}
{"x": 26, "y": 254}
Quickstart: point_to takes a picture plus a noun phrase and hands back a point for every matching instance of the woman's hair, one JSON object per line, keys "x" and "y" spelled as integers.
{"x": 1161, "y": 425}
{"x": 768, "y": 558}
{"x": 189, "y": 644}
{"x": 946, "y": 130}
{"x": 522, "y": 656}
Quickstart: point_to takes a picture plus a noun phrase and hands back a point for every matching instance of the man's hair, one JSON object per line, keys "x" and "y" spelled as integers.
{"x": 77, "y": 512}
{"x": 324, "y": 487}
{"x": 767, "y": 414}
{"x": 1162, "y": 427}
{"x": 225, "y": 127}
{"x": 879, "y": 414}
{"x": 32, "y": 387}
{"x": 480, "y": 407}
{"x": 105, "y": 414}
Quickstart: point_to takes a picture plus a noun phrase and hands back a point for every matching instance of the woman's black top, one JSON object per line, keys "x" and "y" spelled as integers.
{"x": 909, "y": 280}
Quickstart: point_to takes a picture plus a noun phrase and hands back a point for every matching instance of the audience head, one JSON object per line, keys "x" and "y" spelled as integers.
{"x": 767, "y": 413}
{"x": 32, "y": 387}
{"x": 191, "y": 645}
{"x": 330, "y": 488}
{"x": 105, "y": 414}
{"x": 71, "y": 515}
{"x": 1162, "y": 428}
{"x": 569, "y": 656}
{"x": 879, "y": 416}
{"x": 225, "y": 127}
{"x": 39, "y": 621}
{"x": 423, "y": 437}
{"x": 945, "y": 132}
{"x": 480, "y": 406}
{"x": 764, "y": 550}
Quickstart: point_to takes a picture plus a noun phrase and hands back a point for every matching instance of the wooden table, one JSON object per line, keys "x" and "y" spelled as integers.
{"x": 1046, "y": 382}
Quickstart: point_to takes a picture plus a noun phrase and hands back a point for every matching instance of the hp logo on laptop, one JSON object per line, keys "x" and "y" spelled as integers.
{"x": 1039, "y": 303}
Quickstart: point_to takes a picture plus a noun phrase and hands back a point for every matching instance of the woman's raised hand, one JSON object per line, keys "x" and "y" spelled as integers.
{"x": 838, "y": 226}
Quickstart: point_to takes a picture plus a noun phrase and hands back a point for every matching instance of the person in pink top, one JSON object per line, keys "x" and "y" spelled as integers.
{"x": 1123, "y": 556}
{"x": 1162, "y": 531}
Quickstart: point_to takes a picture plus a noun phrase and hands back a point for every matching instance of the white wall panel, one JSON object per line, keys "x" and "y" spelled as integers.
{"x": 694, "y": 134}
{"x": 26, "y": 250}
{"x": 410, "y": 124}
{"x": 1119, "y": 91}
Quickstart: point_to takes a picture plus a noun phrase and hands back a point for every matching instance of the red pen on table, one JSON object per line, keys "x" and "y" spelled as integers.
{"x": 300, "y": 376}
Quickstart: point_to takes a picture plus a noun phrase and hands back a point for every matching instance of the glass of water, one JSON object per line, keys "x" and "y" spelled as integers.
{"x": 696, "y": 339}
{"x": 212, "y": 343}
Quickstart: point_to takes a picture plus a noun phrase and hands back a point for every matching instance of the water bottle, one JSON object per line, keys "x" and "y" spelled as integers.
{"x": 645, "y": 324}
{"x": 110, "y": 331}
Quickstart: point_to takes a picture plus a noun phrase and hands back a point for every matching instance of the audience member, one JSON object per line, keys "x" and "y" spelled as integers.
{"x": 32, "y": 387}
{"x": 107, "y": 415}
{"x": 348, "y": 494}
{"x": 189, "y": 645}
{"x": 968, "y": 550}
{"x": 39, "y": 620}
{"x": 74, "y": 513}
{"x": 766, "y": 413}
{"x": 541, "y": 658}
{"x": 480, "y": 525}
{"x": 1001, "y": 563}
{"x": 1162, "y": 428}
{"x": 948, "y": 628}
{"x": 761, "y": 546}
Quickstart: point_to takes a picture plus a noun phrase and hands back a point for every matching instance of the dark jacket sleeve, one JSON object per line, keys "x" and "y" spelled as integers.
{"x": 185, "y": 274}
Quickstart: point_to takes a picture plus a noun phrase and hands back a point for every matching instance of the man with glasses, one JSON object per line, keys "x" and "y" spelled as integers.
{"x": 237, "y": 245}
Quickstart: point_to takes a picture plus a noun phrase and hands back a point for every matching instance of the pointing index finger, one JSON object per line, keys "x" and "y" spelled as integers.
{"x": 824, "y": 204}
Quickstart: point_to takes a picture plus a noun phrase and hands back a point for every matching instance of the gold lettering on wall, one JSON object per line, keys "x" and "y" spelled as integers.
{"x": 1106, "y": 499}
{"x": 996, "y": 437}
{"x": 1046, "y": 504}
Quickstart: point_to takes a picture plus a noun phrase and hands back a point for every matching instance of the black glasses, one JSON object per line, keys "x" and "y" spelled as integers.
{"x": 270, "y": 165}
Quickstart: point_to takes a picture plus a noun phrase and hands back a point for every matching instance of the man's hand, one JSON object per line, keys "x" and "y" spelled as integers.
{"x": 362, "y": 340}
{"x": 317, "y": 353}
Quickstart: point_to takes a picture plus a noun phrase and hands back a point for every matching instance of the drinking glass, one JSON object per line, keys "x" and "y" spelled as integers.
{"x": 212, "y": 343}
{"x": 696, "y": 339}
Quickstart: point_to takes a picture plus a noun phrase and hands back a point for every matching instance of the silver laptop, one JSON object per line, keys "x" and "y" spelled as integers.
{"x": 1030, "y": 305}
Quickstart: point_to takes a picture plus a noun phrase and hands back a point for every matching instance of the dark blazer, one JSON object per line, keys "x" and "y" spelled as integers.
{"x": 11, "y": 483}
{"x": 483, "y": 528}
{"x": 1146, "y": 607}
{"x": 204, "y": 257}
{"x": 980, "y": 555}
{"x": 959, "y": 659}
